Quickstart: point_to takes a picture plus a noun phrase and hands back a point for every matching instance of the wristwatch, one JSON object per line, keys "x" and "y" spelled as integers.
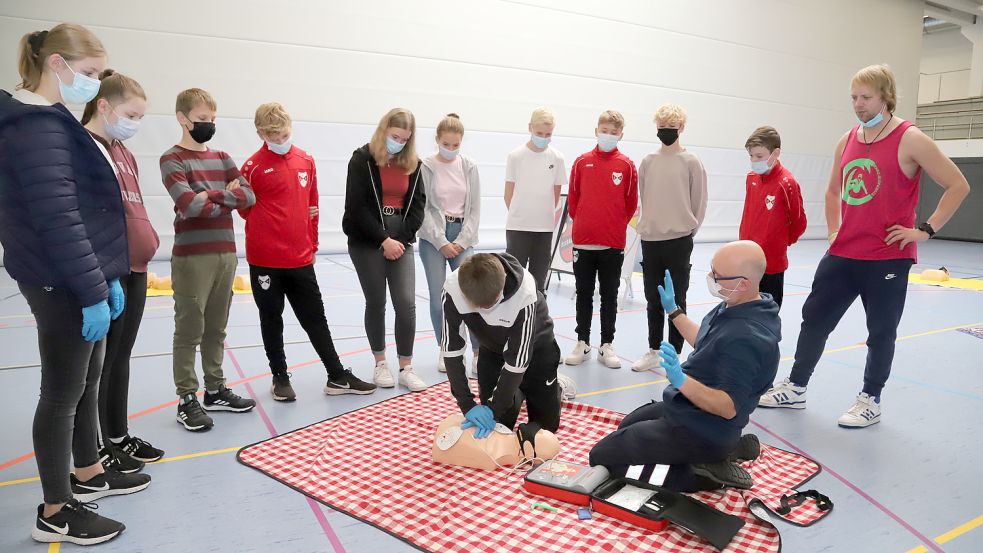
{"x": 927, "y": 228}
{"x": 675, "y": 313}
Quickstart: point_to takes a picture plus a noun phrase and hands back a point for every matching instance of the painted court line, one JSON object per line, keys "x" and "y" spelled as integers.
{"x": 951, "y": 534}
{"x": 172, "y": 403}
{"x": 315, "y": 507}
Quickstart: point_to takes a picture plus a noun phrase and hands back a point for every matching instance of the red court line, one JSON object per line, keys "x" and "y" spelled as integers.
{"x": 897, "y": 518}
{"x": 172, "y": 403}
{"x": 271, "y": 428}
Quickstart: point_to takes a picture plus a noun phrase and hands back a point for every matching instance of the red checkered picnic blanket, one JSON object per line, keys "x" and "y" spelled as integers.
{"x": 375, "y": 465}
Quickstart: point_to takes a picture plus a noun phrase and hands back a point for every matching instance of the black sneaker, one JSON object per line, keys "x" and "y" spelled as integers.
{"x": 112, "y": 456}
{"x": 75, "y": 523}
{"x": 725, "y": 473}
{"x": 748, "y": 449}
{"x": 190, "y": 414}
{"x": 281, "y": 388}
{"x": 226, "y": 400}
{"x": 141, "y": 450}
{"x": 110, "y": 482}
{"x": 348, "y": 383}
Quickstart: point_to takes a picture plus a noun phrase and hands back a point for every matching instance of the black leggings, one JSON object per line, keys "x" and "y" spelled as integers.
{"x": 114, "y": 387}
{"x": 66, "y": 419}
{"x": 590, "y": 266}
{"x": 298, "y": 286}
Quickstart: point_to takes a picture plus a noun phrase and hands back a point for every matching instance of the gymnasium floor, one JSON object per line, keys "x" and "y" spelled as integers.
{"x": 897, "y": 486}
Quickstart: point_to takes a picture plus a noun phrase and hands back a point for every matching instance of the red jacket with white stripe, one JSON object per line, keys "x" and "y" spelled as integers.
{"x": 603, "y": 197}
{"x": 773, "y": 215}
{"x": 280, "y": 232}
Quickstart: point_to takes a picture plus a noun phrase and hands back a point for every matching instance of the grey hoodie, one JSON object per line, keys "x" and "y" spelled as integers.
{"x": 434, "y": 224}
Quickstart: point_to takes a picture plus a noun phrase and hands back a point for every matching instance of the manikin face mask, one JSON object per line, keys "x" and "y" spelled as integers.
{"x": 503, "y": 448}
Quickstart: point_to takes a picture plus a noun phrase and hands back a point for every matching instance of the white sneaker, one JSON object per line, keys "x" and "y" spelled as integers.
{"x": 474, "y": 368}
{"x": 784, "y": 394}
{"x": 409, "y": 379}
{"x": 647, "y": 362}
{"x": 568, "y": 387}
{"x": 607, "y": 356}
{"x": 382, "y": 376}
{"x": 441, "y": 367}
{"x": 579, "y": 353}
{"x": 865, "y": 412}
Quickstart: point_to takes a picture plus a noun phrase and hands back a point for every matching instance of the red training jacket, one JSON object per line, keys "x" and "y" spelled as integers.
{"x": 603, "y": 197}
{"x": 280, "y": 232}
{"x": 773, "y": 215}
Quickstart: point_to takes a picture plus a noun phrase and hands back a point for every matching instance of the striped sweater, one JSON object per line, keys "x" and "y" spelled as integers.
{"x": 203, "y": 223}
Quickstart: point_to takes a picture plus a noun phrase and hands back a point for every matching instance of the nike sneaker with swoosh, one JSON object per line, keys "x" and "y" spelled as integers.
{"x": 110, "y": 482}
{"x": 348, "y": 383}
{"x": 75, "y": 523}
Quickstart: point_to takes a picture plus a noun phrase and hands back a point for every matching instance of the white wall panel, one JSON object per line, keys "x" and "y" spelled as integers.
{"x": 338, "y": 67}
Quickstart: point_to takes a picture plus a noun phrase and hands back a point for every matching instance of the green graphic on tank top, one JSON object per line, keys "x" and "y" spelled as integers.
{"x": 861, "y": 181}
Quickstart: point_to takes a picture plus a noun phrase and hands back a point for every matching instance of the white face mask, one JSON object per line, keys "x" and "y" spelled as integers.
{"x": 716, "y": 289}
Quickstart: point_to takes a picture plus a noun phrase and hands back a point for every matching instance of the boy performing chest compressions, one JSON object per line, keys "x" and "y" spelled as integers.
{"x": 497, "y": 300}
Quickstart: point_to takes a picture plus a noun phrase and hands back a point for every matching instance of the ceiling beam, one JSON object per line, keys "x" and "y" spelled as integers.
{"x": 952, "y": 16}
{"x": 966, "y": 6}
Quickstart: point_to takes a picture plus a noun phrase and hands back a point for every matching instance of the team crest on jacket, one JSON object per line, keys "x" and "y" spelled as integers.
{"x": 616, "y": 178}
{"x": 264, "y": 281}
{"x": 769, "y": 202}
{"x": 302, "y": 177}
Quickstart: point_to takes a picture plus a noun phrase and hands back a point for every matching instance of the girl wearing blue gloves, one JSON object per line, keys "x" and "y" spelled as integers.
{"x": 64, "y": 238}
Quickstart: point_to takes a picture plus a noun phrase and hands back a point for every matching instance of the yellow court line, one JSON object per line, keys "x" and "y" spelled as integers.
{"x": 951, "y": 534}
{"x": 620, "y": 388}
{"x": 908, "y": 337}
{"x": 54, "y": 547}
{"x": 164, "y": 460}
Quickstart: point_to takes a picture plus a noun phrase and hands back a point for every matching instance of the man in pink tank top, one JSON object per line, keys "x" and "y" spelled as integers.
{"x": 870, "y": 213}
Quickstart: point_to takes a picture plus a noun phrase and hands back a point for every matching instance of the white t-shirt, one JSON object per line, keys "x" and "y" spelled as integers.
{"x": 534, "y": 174}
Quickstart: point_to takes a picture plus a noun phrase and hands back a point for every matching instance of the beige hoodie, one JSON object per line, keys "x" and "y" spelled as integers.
{"x": 673, "y": 191}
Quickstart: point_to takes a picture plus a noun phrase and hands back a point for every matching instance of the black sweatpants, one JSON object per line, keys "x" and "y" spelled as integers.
{"x": 657, "y": 256}
{"x": 539, "y": 387}
{"x": 299, "y": 287}
{"x": 114, "y": 386}
{"x": 597, "y": 265}
{"x": 532, "y": 249}
{"x": 774, "y": 284}
{"x": 66, "y": 420}
{"x": 645, "y": 438}
{"x": 882, "y": 286}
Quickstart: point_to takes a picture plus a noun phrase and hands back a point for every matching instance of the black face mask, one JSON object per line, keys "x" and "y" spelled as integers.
{"x": 202, "y": 131}
{"x": 668, "y": 136}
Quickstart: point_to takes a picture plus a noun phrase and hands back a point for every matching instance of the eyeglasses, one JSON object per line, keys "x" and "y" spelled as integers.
{"x": 717, "y": 279}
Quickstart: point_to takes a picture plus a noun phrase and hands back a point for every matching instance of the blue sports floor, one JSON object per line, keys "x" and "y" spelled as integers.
{"x": 912, "y": 483}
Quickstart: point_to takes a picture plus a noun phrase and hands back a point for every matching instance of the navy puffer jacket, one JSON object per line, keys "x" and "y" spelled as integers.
{"x": 61, "y": 210}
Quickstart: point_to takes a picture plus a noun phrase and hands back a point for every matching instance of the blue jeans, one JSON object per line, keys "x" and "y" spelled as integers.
{"x": 435, "y": 267}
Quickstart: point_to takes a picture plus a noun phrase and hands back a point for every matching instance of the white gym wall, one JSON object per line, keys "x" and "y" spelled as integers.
{"x": 337, "y": 67}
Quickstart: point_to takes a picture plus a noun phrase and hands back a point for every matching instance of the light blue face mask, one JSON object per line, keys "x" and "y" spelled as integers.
{"x": 874, "y": 121}
{"x": 607, "y": 142}
{"x": 393, "y": 147}
{"x": 449, "y": 155}
{"x": 760, "y": 167}
{"x": 540, "y": 142}
{"x": 82, "y": 90}
{"x": 279, "y": 149}
{"x": 123, "y": 129}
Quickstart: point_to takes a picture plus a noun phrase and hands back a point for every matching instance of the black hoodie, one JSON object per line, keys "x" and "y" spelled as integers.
{"x": 736, "y": 351}
{"x": 363, "y": 222}
{"x": 515, "y": 327}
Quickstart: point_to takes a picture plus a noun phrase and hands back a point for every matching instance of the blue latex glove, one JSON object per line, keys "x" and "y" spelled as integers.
{"x": 95, "y": 321}
{"x": 482, "y": 418}
{"x": 670, "y": 362}
{"x": 667, "y": 295}
{"x": 117, "y": 299}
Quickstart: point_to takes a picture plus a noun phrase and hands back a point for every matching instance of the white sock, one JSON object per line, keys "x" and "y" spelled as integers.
{"x": 117, "y": 441}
